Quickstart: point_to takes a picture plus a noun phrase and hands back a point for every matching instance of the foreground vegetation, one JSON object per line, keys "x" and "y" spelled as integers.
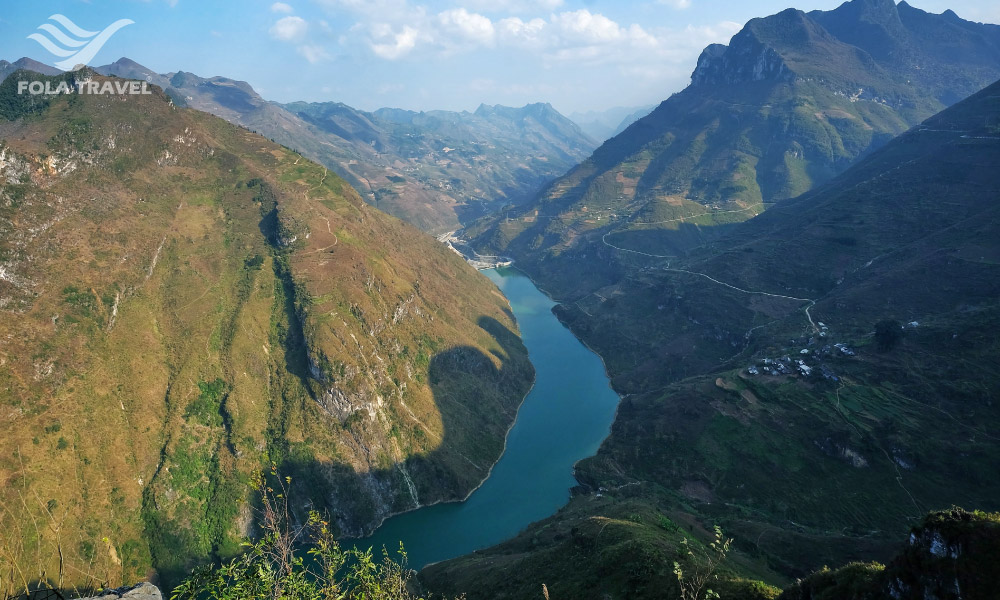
{"x": 950, "y": 554}
{"x": 302, "y": 562}
{"x": 621, "y": 548}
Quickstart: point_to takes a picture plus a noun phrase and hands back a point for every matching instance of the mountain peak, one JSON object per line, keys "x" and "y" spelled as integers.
{"x": 33, "y": 65}
{"x": 126, "y": 62}
{"x": 877, "y": 11}
{"x": 789, "y": 28}
{"x": 950, "y": 15}
{"x": 883, "y": 13}
{"x": 7, "y": 67}
{"x": 756, "y": 52}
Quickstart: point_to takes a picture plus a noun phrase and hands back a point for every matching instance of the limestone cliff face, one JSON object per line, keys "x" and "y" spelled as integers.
{"x": 953, "y": 555}
{"x": 745, "y": 60}
{"x": 786, "y": 47}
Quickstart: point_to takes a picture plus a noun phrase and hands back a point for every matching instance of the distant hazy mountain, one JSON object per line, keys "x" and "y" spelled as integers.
{"x": 436, "y": 170}
{"x": 6, "y": 68}
{"x": 462, "y": 164}
{"x": 604, "y": 124}
{"x": 632, "y": 118}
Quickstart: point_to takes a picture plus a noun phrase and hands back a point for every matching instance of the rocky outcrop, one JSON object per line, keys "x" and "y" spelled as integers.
{"x": 141, "y": 591}
{"x": 952, "y": 555}
{"x": 744, "y": 61}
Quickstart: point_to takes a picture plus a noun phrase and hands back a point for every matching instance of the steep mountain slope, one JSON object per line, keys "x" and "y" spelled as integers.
{"x": 884, "y": 283}
{"x": 951, "y": 554}
{"x": 435, "y": 170}
{"x": 183, "y": 304}
{"x": 785, "y": 107}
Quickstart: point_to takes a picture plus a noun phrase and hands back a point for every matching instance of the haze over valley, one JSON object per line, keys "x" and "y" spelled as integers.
{"x": 402, "y": 299}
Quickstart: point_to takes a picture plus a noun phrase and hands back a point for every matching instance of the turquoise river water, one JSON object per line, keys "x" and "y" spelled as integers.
{"x": 564, "y": 418}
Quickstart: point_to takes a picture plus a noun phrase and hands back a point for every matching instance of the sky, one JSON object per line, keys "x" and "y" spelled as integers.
{"x": 578, "y": 55}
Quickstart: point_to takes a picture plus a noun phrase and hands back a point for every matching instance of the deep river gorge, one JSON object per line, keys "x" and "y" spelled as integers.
{"x": 564, "y": 418}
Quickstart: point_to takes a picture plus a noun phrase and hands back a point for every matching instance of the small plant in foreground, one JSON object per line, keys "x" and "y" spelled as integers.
{"x": 277, "y": 566}
{"x": 702, "y": 568}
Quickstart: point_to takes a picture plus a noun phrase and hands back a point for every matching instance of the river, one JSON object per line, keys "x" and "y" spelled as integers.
{"x": 564, "y": 418}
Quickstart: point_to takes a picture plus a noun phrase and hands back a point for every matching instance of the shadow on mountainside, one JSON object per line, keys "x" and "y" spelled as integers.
{"x": 477, "y": 402}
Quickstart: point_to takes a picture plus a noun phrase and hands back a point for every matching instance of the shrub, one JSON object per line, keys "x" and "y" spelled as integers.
{"x": 279, "y": 566}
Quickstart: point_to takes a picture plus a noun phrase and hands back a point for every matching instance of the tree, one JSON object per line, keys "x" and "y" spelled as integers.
{"x": 888, "y": 332}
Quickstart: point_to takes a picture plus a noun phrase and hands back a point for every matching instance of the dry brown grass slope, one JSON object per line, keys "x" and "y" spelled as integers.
{"x": 183, "y": 303}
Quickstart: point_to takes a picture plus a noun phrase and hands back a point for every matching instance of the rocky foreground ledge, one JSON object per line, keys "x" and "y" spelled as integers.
{"x": 141, "y": 591}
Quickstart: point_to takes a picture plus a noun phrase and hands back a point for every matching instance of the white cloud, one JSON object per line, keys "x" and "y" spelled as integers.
{"x": 586, "y": 27}
{"x": 314, "y": 53}
{"x": 513, "y": 6}
{"x": 516, "y": 32}
{"x": 678, "y": 4}
{"x": 281, "y": 7}
{"x": 398, "y": 29}
{"x": 289, "y": 29}
{"x": 390, "y": 44}
{"x": 468, "y": 26}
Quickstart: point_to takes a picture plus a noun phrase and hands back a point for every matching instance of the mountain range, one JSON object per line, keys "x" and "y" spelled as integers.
{"x": 798, "y": 312}
{"x": 185, "y": 304}
{"x": 436, "y": 170}
{"x": 6, "y": 67}
{"x": 789, "y": 269}
{"x": 812, "y": 381}
{"x": 787, "y": 105}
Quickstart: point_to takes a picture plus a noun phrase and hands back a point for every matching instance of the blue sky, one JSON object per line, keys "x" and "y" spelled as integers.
{"x": 424, "y": 54}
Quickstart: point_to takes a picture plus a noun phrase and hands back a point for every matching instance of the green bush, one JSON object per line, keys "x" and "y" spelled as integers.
{"x": 278, "y": 566}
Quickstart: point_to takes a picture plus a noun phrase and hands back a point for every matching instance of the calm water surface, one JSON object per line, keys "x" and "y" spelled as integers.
{"x": 564, "y": 418}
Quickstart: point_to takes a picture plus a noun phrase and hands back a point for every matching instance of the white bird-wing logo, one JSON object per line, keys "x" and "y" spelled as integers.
{"x": 73, "y": 43}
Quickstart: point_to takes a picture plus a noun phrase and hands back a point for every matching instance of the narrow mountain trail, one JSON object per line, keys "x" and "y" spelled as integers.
{"x": 604, "y": 238}
{"x": 752, "y": 292}
{"x": 811, "y": 301}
